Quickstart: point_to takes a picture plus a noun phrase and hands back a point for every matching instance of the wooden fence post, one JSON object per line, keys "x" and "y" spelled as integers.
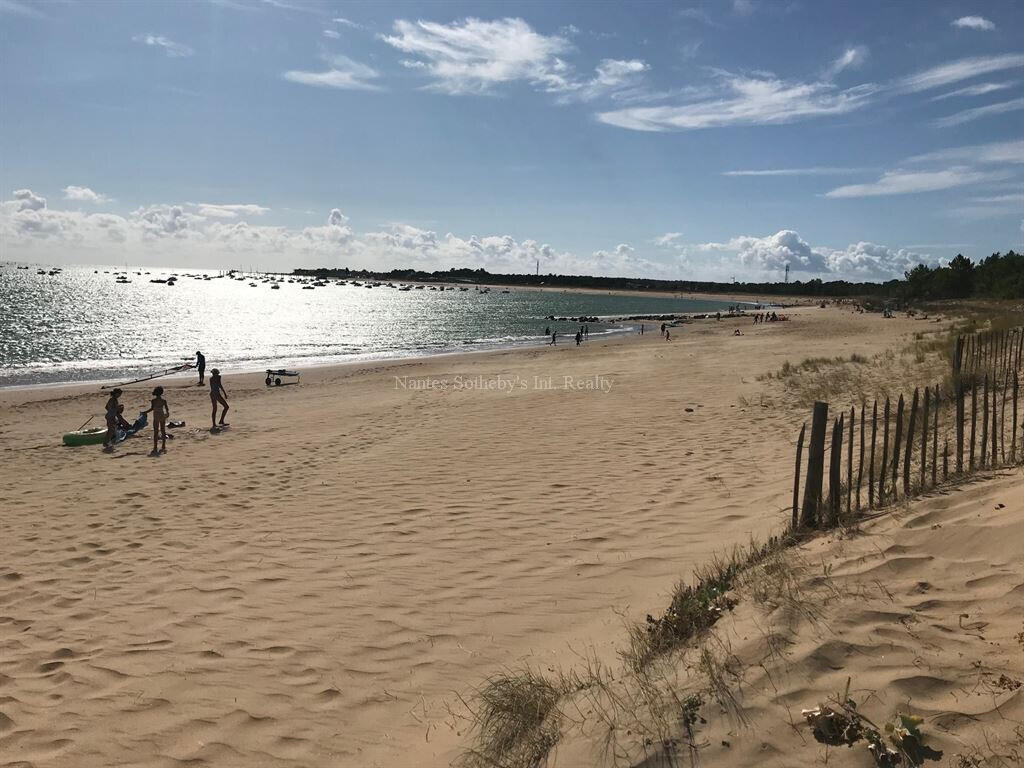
{"x": 995, "y": 422}
{"x": 910, "y": 443}
{"x": 796, "y": 477}
{"x": 1013, "y": 423}
{"x": 860, "y": 463}
{"x": 815, "y": 467}
{"x": 849, "y": 463}
{"x": 871, "y": 462}
{"x": 835, "y": 471}
{"x": 945, "y": 461}
{"x": 958, "y": 357}
{"x": 958, "y": 416}
{"x": 935, "y": 439}
{"x": 1002, "y": 416}
{"x": 925, "y": 425}
{"x": 885, "y": 455}
{"x": 974, "y": 421}
{"x": 897, "y": 444}
{"x": 984, "y": 423}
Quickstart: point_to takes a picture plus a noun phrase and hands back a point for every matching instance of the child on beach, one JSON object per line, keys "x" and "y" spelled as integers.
{"x": 111, "y": 413}
{"x": 217, "y": 395}
{"x": 160, "y": 410}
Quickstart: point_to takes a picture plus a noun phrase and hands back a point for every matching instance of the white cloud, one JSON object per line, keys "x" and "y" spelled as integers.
{"x": 961, "y": 69}
{"x": 768, "y": 256}
{"x": 975, "y": 90}
{"x": 331, "y": 34}
{"x": 1017, "y": 197}
{"x": 697, "y": 14}
{"x": 27, "y": 200}
{"x": 669, "y": 239}
{"x": 232, "y": 211}
{"x": 968, "y": 115}
{"x": 995, "y": 153}
{"x": 344, "y": 73}
{"x": 346, "y": 22}
{"x": 171, "y": 48}
{"x": 743, "y": 7}
{"x": 473, "y": 55}
{"x": 902, "y": 182}
{"x": 19, "y": 9}
{"x": 974, "y": 22}
{"x": 84, "y": 195}
{"x": 745, "y": 100}
{"x": 810, "y": 171}
{"x": 851, "y": 58}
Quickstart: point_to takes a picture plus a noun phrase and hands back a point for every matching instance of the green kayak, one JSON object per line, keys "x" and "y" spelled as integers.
{"x": 91, "y": 436}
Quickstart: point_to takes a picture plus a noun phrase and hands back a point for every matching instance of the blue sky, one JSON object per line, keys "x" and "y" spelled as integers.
{"x": 704, "y": 140}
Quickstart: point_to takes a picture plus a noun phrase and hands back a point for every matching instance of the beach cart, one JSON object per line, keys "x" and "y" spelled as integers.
{"x": 274, "y": 377}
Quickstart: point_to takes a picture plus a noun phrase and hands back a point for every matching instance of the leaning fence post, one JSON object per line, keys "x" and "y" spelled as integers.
{"x": 1005, "y": 387}
{"x": 910, "y": 443}
{"x": 897, "y": 442}
{"x": 958, "y": 356}
{"x": 835, "y": 471}
{"x": 885, "y": 454}
{"x": 815, "y": 467}
{"x": 925, "y": 424}
{"x": 796, "y": 477}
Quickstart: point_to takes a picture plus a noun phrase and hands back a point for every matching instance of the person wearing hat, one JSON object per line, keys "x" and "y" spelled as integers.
{"x": 112, "y": 411}
{"x": 217, "y": 395}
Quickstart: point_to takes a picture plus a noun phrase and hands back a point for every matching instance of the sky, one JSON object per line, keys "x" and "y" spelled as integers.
{"x": 712, "y": 140}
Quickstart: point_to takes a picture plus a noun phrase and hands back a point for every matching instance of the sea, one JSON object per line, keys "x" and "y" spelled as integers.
{"x": 102, "y": 323}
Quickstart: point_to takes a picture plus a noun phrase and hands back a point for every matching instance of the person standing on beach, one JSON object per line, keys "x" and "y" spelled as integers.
{"x": 554, "y": 336}
{"x": 668, "y": 336}
{"x": 201, "y": 366}
{"x": 662, "y": 329}
{"x": 579, "y": 337}
{"x": 160, "y": 410}
{"x": 641, "y": 329}
{"x": 217, "y": 395}
{"x": 111, "y": 415}
{"x": 586, "y": 331}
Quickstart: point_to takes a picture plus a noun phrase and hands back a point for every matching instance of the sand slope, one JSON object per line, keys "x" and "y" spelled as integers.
{"x": 313, "y": 585}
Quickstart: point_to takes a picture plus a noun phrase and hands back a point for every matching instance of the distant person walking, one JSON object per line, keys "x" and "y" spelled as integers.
{"x": 586, "y": 331}
{"x": 663, "y": 332}
{"x": 668, "y": 336}
{"x": 160, "y": 410}
{"x": 217, "y": 395}
{"x": 554, "y": 336}
{"x": 579, "y": 337}
{"x": 547, "y": 330}
{"x": 111, "y": 415}
{"x": 201, "y": 367}
{"x": 641, "y": 329}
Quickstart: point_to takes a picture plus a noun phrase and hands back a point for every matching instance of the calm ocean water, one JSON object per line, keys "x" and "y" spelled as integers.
{"x": 80, "y": 325}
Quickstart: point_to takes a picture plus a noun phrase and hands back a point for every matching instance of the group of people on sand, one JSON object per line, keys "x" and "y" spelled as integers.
{"x": 767, "y": 317}
{"x": 581, "y": 335}
{"x": 161, "y": 411}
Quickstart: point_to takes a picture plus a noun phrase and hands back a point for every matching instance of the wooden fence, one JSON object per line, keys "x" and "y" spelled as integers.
{"x": 997, "y": 353}
{"x": 893, "y": 450}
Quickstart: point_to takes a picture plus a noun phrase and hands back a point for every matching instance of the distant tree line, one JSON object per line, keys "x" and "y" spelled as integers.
{"x": 1000, "y": 276}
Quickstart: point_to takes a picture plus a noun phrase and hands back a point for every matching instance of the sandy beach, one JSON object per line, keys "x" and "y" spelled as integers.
{"x": 319, "y": 584}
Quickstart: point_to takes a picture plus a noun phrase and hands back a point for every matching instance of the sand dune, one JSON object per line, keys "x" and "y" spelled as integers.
{"x": 316, "y": 584}
{"x": 922, "y": 612}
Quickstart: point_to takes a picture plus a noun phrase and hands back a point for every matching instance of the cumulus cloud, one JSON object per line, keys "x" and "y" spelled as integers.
{"x": 172, "y": 49}
{"x": 755, "y": 99}
{"x": 84, "y": 195}
{"x": 27, "y": 200}
{"x": 974, "y": 22}
{"x": 344, "y": 73}
{"x": 770, "y": 255}
{"x": 669, "y": 239}
{"x": 967, "y": 115}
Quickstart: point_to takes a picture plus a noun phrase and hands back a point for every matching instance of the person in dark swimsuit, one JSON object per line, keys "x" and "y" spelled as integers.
{"x": 201, "y": 367}
{"x": 111, "y": 415}
{"x": 217, "y": 395}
